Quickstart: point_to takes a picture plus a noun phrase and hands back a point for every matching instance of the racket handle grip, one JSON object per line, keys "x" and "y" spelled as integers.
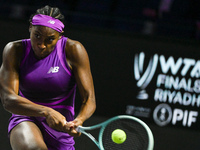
{"x": 78, "y": 129}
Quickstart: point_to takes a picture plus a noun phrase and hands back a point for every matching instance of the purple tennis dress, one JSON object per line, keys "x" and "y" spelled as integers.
{"x": 48, "y": 82}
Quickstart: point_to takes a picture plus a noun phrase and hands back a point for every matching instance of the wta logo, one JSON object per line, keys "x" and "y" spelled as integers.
{"x": 173, "y": 76}
{"x": 142, "y": 76}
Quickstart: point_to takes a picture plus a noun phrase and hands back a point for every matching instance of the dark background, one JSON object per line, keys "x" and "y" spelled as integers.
{"x": 112, "y": 32}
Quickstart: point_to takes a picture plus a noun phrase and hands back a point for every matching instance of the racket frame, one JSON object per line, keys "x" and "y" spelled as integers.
{"x": 103, "y": 125}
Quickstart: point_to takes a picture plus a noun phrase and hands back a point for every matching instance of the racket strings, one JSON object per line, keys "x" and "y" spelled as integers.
{"x": 136, "y": 135}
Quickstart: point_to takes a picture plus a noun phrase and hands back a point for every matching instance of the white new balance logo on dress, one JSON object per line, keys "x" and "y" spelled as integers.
{"x": 53, "y": 70}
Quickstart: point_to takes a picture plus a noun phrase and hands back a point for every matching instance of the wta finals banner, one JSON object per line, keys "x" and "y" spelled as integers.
{"x": 154, "y": 79}
{"x": 168, "y": 88}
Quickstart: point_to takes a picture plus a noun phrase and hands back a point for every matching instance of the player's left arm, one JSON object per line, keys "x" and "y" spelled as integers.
{"x": 78, "y": 59}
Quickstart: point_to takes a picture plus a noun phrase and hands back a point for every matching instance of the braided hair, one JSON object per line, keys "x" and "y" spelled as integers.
{"x": 49, "y": 11}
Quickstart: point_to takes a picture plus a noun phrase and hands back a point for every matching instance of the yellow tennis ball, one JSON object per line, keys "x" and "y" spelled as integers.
{"x": 118, "y": 136}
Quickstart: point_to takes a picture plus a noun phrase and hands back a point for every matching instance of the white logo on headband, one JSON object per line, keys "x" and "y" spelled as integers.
{"x": 51, "y": 21}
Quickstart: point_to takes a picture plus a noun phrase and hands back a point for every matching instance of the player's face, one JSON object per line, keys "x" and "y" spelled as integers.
{"x": 43, "y": 40}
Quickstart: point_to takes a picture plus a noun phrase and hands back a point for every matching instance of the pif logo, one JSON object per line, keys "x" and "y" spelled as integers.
{"x": 163, "y": 115}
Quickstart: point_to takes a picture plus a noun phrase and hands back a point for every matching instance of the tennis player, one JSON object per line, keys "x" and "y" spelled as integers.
{"x": 38, "y": 80}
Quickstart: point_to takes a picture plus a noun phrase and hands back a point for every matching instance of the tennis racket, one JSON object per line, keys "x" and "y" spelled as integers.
{"x": 138, "y": 134}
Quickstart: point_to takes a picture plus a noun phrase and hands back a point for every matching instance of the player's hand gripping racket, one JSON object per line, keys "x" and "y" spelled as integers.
{"x": 138, "y": 134}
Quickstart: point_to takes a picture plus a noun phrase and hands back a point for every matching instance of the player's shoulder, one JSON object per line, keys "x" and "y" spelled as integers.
{"x": 72, "y": 44}
{"x": 75, "y": 52}
{"x": 13, "y": 47}
{"x": 74, "y": 47}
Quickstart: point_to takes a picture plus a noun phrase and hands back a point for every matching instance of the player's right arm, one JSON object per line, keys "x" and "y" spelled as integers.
{"x": 9, "y": 83}
{"x": 9, "y": 88}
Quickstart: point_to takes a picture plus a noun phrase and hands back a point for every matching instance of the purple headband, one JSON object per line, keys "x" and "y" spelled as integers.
{"x": 48, "y": 21}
